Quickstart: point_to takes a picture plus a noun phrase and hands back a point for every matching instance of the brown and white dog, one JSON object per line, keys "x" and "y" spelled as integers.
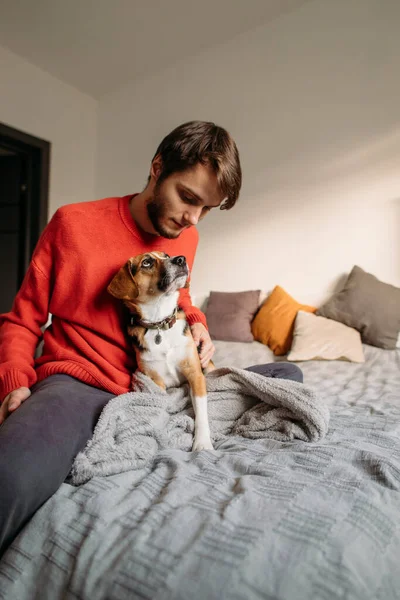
{"x": 149, "y": 284}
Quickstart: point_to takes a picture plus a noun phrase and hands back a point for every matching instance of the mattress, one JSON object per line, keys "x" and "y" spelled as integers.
{"x": 254, "y": 519}
{"x": 374, "y": 384}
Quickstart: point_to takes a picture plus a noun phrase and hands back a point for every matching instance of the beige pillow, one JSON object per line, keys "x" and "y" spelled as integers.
{"x": 318, "y": 338}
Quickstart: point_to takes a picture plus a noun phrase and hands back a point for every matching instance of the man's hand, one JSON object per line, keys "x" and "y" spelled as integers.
{"x": 12, "y": 401}
{"x": 202, "y": 338}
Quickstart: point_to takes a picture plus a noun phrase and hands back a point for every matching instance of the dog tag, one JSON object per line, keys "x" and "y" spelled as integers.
{"x": 158, "y": 338}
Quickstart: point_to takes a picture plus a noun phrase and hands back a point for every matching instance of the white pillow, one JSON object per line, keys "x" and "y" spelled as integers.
{"x": 318, "y": 338}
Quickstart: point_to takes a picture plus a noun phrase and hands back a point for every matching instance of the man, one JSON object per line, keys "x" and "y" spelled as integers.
{"x": 50, "y": 405}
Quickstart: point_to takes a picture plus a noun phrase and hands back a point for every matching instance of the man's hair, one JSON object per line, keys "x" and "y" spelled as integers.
{"x": 206, "y": 143}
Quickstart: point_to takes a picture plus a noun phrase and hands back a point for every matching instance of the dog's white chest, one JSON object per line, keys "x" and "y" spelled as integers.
{"x": 165, "y": 358}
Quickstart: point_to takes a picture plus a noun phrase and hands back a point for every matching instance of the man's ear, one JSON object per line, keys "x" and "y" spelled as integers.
{"x": 123, "y": 286}
{"x": 156, "y": 167}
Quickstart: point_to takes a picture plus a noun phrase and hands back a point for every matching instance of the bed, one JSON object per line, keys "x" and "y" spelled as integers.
{"x": 256, "y": 519}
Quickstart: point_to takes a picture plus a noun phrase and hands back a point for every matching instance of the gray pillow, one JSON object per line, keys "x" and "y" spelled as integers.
{"x": 368, "y": 305}
{"x": 229, "y": 315}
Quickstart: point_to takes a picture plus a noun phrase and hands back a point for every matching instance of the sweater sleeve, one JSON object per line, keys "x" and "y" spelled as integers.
{"x": 192, "y": 313}
{"x": 20, "y": 329}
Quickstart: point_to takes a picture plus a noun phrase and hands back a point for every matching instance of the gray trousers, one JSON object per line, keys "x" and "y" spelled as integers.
{"x": 39, "y": 441}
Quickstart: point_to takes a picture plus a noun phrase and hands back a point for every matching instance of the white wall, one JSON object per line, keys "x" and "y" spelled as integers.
{"x": 313, "y": 101}
{"x": 37, "y": 103}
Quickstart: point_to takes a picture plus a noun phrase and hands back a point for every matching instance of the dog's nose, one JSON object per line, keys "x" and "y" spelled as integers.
{"x": 179, "y": 260}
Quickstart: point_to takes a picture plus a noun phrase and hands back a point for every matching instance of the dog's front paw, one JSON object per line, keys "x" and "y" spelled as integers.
{"x": 202, "y": 442}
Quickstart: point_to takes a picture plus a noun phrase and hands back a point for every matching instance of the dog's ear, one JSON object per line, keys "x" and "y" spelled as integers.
{"x": 123, "y": 286}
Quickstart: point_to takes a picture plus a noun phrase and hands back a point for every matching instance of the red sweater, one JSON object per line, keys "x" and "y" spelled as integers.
{"x": 78, "y": 253}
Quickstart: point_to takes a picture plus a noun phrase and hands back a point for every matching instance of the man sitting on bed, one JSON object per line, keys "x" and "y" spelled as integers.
{"x": 50, "y": 405}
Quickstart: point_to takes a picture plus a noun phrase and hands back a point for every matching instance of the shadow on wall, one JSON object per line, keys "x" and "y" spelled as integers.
{"x": 304, "y": 185}
{"x": 323, "y": 173}
{"x": 338, "y": 284}
{"x": 394, "y": 205}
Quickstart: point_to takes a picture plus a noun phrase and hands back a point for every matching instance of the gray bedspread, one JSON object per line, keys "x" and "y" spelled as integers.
{"x": 134, "y": 427}
{"x": 374, "y": 384}
{"x": 273, "y": 519}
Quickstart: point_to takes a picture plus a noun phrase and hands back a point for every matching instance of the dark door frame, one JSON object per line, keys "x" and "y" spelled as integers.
{"x": 34, "y": 186}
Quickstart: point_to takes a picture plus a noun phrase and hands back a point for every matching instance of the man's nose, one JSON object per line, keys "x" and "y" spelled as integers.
{"x": 192, "y": 216}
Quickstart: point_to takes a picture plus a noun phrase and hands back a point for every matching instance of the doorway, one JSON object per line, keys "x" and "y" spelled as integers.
{"x": 24, "y": 187}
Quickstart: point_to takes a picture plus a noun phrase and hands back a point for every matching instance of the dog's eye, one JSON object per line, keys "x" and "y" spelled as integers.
{"x": 147, "y": 263}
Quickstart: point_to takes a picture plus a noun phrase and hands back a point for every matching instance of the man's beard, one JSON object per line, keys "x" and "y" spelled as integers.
{"x": 157, "y": 211}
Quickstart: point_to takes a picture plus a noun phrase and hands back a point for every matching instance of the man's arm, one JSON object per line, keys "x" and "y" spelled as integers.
{"x": 192, "y": 313}
{"x": 20, "y": 331}
{"x": 194, "y": 316}
{"x": 198, "y": 326}
{"x": 21, "y": 328}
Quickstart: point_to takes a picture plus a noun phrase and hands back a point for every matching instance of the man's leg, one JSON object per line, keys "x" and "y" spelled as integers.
{"x": 38, "y": 443}
{"x": 281, "y": 370}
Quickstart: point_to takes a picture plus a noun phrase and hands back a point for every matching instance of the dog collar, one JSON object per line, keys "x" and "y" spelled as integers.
{"x": 166, "y": 323}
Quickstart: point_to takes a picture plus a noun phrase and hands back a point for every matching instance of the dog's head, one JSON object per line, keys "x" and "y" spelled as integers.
{"x": 147, "y": 276}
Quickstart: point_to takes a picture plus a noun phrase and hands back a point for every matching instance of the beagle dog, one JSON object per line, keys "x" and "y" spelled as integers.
{"x": 148, "y": 285}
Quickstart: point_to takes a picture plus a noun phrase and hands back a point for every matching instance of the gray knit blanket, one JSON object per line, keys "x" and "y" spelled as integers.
{"x": 134, "y": 427}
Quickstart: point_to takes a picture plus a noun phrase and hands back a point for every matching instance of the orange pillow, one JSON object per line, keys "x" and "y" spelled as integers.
{"x": 274, "y": 323}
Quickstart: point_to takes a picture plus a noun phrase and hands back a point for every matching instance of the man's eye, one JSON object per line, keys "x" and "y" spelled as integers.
{"x": 189, "y": 200}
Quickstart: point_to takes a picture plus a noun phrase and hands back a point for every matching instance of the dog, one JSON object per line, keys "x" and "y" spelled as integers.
{"x": 148, "y": 285}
